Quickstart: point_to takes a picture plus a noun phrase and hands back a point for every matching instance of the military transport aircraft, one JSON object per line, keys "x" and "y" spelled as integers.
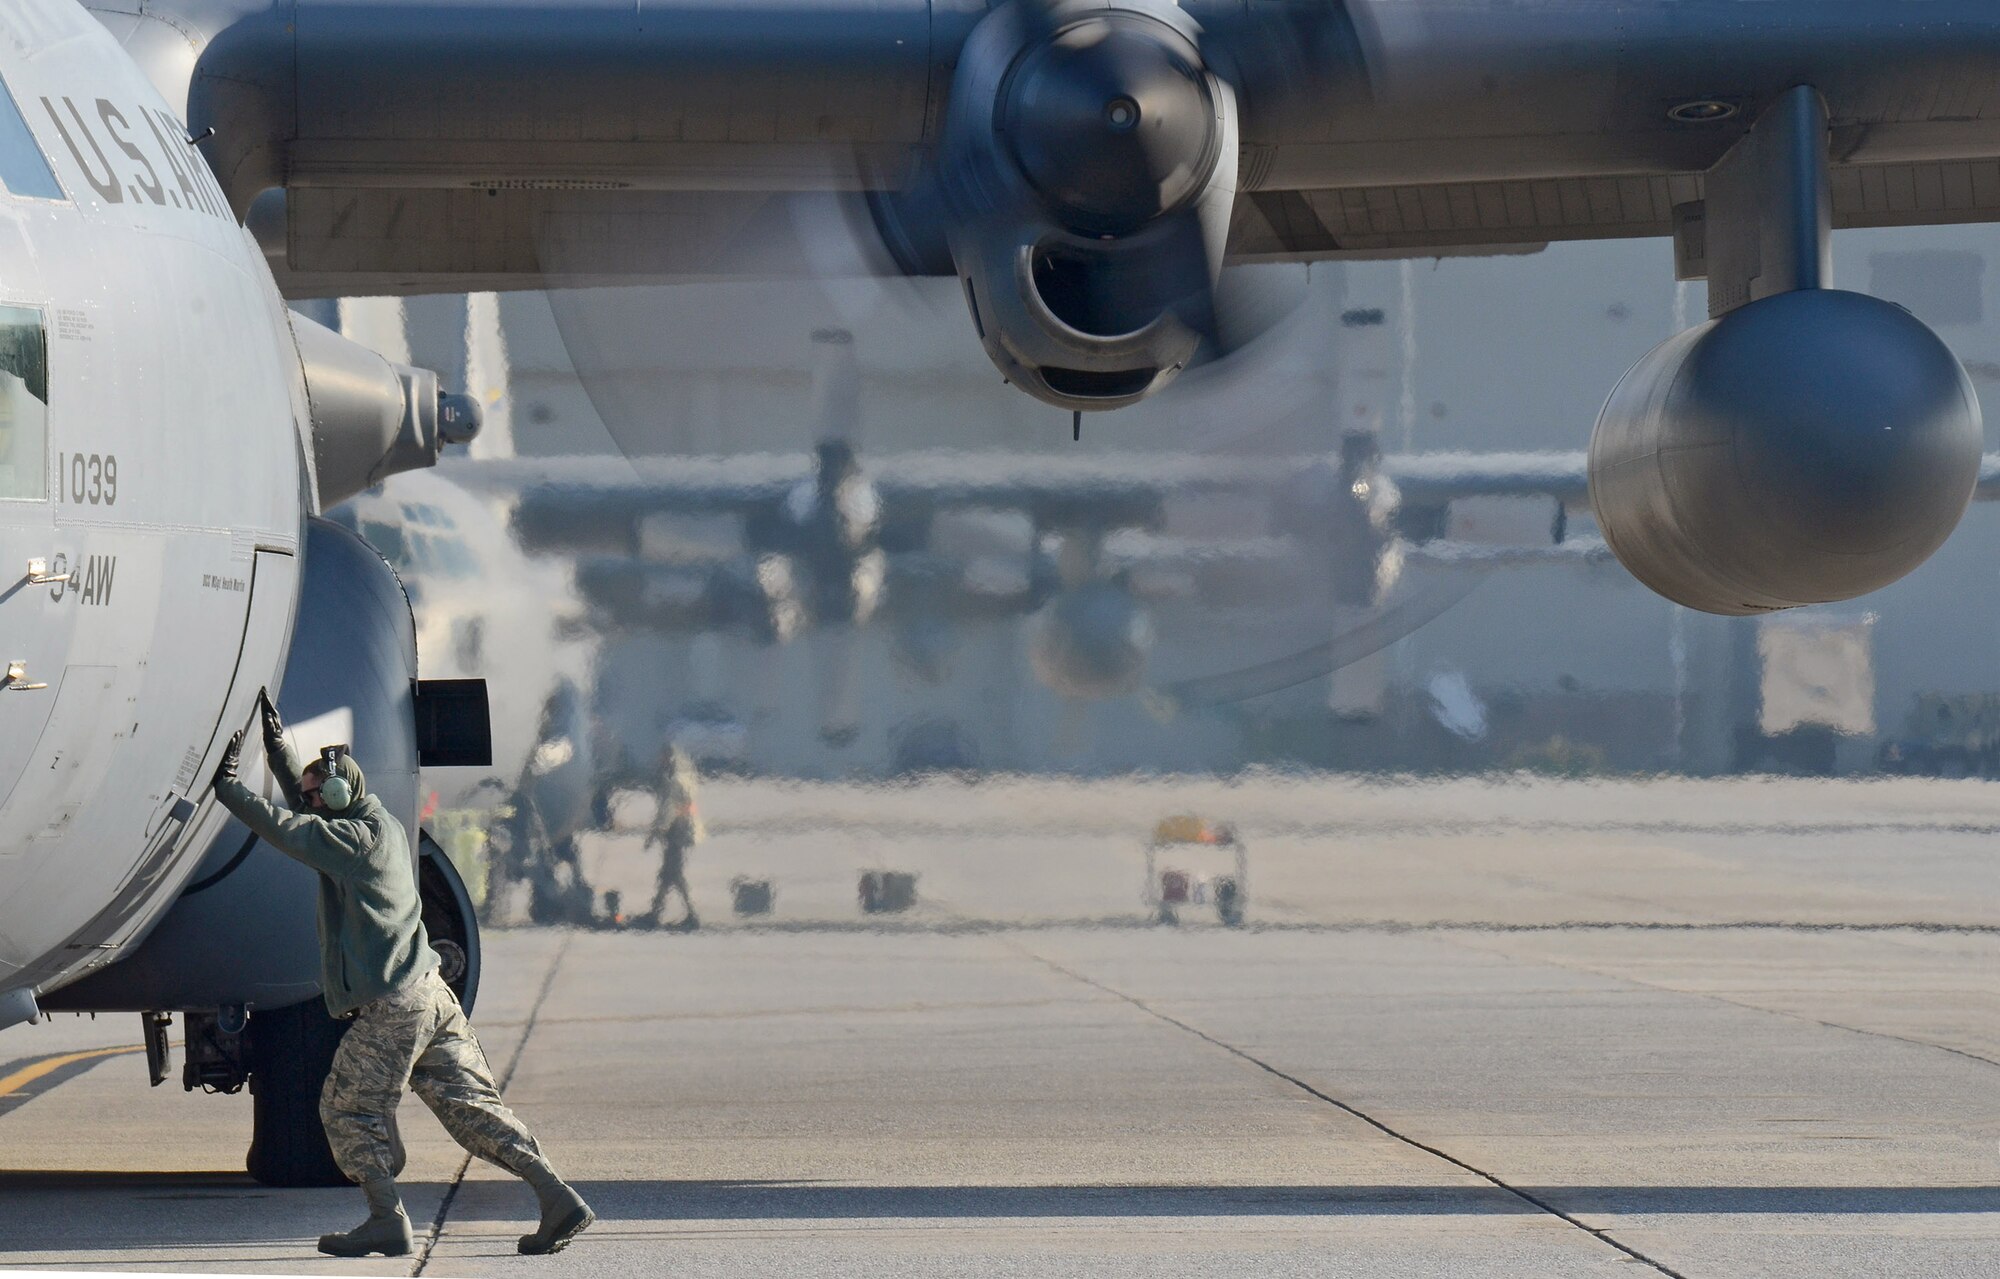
{"x": 1084, "y": 168}
{"x": 167, "y": 433}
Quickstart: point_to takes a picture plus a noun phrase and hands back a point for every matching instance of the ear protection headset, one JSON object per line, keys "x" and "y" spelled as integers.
{"x": 335, "y": 791}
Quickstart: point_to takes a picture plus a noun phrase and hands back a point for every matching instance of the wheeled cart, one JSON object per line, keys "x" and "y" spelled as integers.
{"x": 1191, "y": 861}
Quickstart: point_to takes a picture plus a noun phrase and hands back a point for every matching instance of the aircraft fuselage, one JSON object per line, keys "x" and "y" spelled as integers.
{"x": 154, "y": 480}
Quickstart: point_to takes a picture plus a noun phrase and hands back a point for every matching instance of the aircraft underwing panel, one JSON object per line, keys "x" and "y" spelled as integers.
{"x": 331, "y": 241}
{"x": 1301, "y": 225}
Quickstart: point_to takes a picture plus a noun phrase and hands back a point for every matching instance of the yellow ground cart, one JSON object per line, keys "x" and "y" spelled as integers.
{"x": 1194, "y": 862}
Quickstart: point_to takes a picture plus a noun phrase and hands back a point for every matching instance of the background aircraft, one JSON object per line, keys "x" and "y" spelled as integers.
{"x": 774, "y": 548}
{"x": 677, "y": 548}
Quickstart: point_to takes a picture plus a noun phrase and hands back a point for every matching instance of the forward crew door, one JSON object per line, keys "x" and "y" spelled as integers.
{"x": 34, "y": 627}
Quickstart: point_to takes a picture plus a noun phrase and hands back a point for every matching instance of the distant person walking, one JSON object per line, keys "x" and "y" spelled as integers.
{"x": 677, "y": 828}
{"x": 377, "y": 968}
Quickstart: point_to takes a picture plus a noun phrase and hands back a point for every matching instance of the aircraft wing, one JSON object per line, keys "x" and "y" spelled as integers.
{"x": 429, "y": 145}
{"x": 598, "y": 503}
{"x": 694, "y": 483}
{"x": 1435, "y": 479}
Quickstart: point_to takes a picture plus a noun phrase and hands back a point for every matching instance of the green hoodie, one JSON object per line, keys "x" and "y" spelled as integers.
{"x": 371, "y": 928}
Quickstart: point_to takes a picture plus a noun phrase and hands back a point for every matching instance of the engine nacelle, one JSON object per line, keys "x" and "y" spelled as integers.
{"x": 1808, "y": 447}
{"x": 372, "y": 418}
{"x": 1088, "y": 170}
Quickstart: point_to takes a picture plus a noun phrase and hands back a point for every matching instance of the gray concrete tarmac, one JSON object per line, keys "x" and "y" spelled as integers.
{"x": 1469, "y": 1028}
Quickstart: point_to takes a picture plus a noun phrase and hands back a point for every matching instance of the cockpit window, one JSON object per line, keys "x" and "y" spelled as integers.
{"x": 24, "y": 405}
{"x": 24, "y": 170}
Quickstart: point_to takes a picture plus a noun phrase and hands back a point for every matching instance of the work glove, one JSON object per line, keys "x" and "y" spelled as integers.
{"x": 232, "y": 755}
{"x": 274, "y": 728}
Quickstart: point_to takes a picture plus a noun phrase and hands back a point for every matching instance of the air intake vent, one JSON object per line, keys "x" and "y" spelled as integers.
{"x": 1086, "y": 384}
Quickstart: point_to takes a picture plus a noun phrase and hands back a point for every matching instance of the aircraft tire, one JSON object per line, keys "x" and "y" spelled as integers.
{"x": 449, "y": 920}
{"x": 293, "y": 1050}
{"x": 1229, "y": 903}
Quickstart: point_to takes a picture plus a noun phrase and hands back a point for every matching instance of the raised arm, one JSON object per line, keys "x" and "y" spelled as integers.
{"x": 284, "y": 761}
{"x": 334, "y": 846}
{"x": 339, "y": 846}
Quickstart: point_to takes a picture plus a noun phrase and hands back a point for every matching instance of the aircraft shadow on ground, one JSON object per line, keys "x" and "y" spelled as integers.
{"x": 44, "y": 1211}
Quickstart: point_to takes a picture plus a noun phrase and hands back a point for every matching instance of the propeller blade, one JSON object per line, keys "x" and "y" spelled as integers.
{"x": 1384, "y": 628}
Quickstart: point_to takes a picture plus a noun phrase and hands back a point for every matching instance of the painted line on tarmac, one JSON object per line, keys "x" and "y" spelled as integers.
{"x": 506, "y": 1077}
{"x": 30, "y": 1078}
{"x": 1602, "y": 1236}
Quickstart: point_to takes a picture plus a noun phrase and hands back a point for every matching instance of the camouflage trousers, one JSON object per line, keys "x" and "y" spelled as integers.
{"x": 673, "y": 874}
{"x": 418, "y": 1036}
